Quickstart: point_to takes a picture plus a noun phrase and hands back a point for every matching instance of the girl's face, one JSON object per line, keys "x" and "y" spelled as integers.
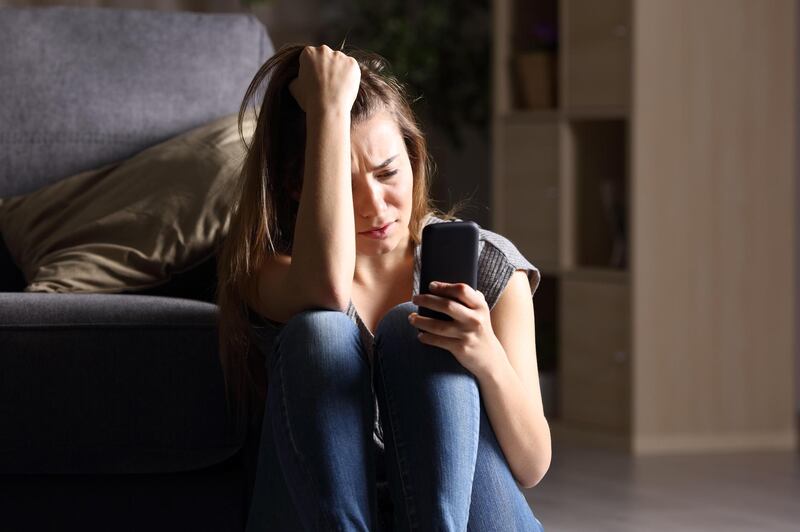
{"x": 382, "y": 184}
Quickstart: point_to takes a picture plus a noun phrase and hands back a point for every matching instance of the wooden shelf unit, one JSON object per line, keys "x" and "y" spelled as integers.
{"x": 636, "y": 200}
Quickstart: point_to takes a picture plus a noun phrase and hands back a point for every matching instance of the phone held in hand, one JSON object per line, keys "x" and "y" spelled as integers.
{"x": 450, "y": 255}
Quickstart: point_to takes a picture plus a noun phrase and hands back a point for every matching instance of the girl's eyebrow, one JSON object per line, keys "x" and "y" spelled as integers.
{"x": 385, "y": 163}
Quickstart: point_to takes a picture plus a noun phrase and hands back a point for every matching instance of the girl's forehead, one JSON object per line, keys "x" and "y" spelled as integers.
{"x": 375, "y": 135}
{"x": 380, "y": 123}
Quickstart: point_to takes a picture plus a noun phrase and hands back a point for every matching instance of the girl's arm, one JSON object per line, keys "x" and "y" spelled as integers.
{"x": 499, "y": 348}
{"x": 319, "y": 274}
{"x": 510, "y": 387}
{"x": 323, "y": 255}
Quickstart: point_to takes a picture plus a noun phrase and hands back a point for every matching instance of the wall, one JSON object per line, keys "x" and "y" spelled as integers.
{"x": 797, "y": 222}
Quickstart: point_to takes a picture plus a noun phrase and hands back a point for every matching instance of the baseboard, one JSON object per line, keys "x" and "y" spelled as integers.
{"x": 786, "y": 440}
{"x": 562, "y": 432}
{"x": 698, "y": 443}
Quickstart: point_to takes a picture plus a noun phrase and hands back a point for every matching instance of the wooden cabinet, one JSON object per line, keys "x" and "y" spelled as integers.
{"x": 596, "y": 44}
{"x": 656, "y": 196}
{"x": 595, "y": 353}
{"x": 529, "y": 156}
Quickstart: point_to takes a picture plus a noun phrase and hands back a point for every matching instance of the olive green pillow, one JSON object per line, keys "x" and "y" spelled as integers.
{"x": 129, "y": 225}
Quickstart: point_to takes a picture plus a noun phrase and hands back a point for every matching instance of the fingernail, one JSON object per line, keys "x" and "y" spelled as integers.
{"x": 433, "y": 284}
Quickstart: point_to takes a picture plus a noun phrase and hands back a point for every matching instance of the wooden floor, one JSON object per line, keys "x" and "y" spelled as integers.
{"x": 601, "y": 490}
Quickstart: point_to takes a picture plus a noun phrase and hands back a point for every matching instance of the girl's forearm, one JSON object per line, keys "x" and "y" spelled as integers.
{"x": 518, "y": 422}
{"x": 324, "y": 242}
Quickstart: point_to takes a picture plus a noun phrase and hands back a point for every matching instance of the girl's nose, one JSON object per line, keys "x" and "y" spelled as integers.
{"x": 371, "y": 201}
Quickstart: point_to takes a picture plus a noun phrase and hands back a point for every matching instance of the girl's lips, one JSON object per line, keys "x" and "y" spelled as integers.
{"x": 379, "y": 233}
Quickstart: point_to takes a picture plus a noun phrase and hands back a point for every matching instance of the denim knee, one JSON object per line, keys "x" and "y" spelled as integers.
{"x": 320, "y": 334}
{"x": 396, "y": 338}
{"x": 395, "y": 322}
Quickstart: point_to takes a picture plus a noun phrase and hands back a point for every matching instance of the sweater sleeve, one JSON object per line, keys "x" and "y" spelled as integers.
{"x": 499, "y": 259}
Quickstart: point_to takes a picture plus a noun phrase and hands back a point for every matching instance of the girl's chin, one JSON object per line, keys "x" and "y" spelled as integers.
{"x": 376, "y": 247}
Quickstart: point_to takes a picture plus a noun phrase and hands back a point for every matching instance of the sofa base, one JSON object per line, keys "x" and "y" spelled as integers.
{"x": 211, "y": 499}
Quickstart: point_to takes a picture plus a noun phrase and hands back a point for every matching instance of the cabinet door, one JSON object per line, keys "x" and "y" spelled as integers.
{"x": 594, "y": 366}
{"x": 596, "y": 53}
{"x": 530, "y": 189}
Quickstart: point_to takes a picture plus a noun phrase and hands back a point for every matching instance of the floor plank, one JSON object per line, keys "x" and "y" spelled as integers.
{"x": 604, "y": 490}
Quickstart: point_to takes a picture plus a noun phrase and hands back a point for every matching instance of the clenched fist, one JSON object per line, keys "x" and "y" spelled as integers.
{"x": 327, "y": 80}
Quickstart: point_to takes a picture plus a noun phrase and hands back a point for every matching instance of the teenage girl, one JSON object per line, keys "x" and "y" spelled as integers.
{"x": 374, "y": 418}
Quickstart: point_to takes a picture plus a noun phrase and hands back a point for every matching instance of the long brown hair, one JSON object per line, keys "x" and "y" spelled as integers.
{"x": 264, "y": 216}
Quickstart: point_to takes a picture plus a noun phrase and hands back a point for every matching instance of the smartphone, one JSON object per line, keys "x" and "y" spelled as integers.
{"x": 450, "y": 255}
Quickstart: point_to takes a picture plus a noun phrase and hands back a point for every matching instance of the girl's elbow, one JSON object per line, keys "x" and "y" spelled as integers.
{"x": 533, "y": 477}
{"x": 333, "y": 296}
{"x": 530, "y": 481}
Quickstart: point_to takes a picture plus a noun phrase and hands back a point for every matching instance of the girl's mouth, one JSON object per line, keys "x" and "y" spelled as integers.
{"x": 382, "y": 232}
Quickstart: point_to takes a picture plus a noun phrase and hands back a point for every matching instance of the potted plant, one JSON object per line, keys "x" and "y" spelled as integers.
{"x": 535, "y": 67}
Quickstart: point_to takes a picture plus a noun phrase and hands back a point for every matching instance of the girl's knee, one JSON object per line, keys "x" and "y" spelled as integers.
{"x": 400, "y": 353}
{"x": 320, "y": 334}
{"x": 318, "y": 322}
{"x": 395, "y": 321}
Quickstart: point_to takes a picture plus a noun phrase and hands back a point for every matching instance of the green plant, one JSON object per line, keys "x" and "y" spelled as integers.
{"x": 439, "y": 48}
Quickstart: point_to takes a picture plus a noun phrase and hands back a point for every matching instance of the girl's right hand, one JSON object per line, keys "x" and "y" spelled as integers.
{"x": 327, "y": 80}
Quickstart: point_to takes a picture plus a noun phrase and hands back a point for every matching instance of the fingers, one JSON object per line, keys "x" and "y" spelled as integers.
{"x": 463, "y": 305}
{"x": 322, "y": 53}
{"x": 448, "y": 344}
{"x": 446, "y": 329}
{"x": 309, "y": 51}
{"x": 459, "y": 291}
{"x": 445, "y": 305}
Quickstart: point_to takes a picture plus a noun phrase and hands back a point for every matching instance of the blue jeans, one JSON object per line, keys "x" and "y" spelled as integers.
{"x": 316, "y": 465}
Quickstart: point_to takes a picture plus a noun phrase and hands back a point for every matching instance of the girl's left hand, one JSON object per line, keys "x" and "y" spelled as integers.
{"x": 469, "y": 337}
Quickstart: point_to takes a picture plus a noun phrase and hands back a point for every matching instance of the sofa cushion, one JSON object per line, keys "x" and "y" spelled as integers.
{"x": 102, "y": 383}
{"x": 82, "y": 87}
{"x": 131, "y": 225}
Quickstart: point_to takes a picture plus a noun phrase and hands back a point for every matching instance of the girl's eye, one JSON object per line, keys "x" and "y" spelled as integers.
{"x": 389, "y": 174}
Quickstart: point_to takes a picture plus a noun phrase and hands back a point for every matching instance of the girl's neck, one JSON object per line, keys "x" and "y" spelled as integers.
{"x": 371, "y": 269}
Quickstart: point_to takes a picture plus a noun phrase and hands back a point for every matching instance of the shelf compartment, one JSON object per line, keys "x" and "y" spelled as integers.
{"x": 533, "y": 65}
{"x": 598, "y": 203}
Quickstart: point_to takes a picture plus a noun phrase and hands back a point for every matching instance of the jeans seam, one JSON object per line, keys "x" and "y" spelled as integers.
{"x": 411, "y": 511}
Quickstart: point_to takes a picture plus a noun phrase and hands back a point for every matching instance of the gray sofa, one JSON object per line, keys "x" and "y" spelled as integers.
{"x": 112, "y": 410}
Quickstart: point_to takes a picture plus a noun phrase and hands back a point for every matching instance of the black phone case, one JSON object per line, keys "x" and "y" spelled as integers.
{"x": 450, "y": 255}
